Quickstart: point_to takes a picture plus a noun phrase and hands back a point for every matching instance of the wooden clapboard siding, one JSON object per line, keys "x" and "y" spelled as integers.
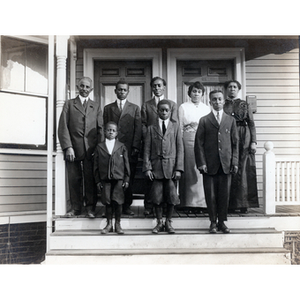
{"x": 23, "y": 183}
{"x": 274, "y": 79}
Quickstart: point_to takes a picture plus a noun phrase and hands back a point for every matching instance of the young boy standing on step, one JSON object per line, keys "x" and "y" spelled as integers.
{"x": 112, "y": 172}
{"x": 163, "y": 164}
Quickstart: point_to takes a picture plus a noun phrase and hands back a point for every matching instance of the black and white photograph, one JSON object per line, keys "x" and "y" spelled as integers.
{"x": 175, "y": 151}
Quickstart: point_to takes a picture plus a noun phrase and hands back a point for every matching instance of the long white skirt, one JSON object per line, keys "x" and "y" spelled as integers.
{"x": 191, "y": 190}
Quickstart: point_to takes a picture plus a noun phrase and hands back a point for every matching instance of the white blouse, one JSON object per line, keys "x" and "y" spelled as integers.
{"x": 190, "y": 114}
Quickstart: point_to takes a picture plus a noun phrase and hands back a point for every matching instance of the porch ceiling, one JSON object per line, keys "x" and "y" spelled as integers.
{"x": 254, "y": 45}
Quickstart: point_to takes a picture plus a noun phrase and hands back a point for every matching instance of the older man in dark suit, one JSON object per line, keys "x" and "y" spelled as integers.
{"x": 150, "y": 117}
{"x": 128, "y": 118}
{"x": 79, "y": 131}
{"x": 216, "y": 153}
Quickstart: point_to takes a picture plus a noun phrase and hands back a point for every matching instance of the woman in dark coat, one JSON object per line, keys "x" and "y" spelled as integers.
{"x": 244, "y": 183}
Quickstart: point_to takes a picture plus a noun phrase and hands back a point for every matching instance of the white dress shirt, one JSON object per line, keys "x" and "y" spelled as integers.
{"x": 157, "y": 99}
{"x": 220, "y": 114}
{"x": 123, "y": 102}
{"x": 82, "y": 99}
{"x": 160, "y": 121}
{"x": 110, "y": 145}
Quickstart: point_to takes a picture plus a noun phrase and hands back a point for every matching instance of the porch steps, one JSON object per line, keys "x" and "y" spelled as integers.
{"x": 78, "y": 241}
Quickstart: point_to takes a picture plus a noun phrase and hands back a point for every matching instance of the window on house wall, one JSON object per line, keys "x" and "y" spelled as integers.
{"x": 23, "y": 93}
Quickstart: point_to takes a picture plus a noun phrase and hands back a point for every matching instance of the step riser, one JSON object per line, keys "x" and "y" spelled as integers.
{"x": 165, "y": 241}
{"x": 280, "y": 223}
{"x": 98, "y": 224}
{"x": 212, "y": 259}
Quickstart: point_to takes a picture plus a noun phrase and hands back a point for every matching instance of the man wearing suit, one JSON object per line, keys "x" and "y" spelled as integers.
{"x": 128, "y": 118}
{"x": 79, "y": 131}
{"x": 150, "y": 116}
{"x": 216, "y": 153}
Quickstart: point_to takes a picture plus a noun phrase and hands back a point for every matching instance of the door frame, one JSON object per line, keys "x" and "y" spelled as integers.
{"x": 92, "y": 54}
{"x": 174, "y": 54}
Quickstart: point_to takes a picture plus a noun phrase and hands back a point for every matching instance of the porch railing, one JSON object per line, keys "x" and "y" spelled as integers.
{"x": 281, "y": 180}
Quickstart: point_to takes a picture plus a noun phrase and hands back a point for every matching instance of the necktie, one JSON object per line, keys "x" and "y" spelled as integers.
{"x": 163, "y": 127}
{"x": 84, "y": 104}
{"x": 218, "y": 117}
{"x": 121, "y": 106}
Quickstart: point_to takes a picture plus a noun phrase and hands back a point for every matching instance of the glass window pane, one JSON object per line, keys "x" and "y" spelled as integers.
{"x": 36, "y": 69}
{"x": 13, "y": 54}
{"x": 24, "y": 122}
{"x": 23, "y": 66}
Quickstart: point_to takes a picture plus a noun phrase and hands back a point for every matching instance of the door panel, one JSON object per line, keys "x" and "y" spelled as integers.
{"x": 211, "y": 73}
{"x": 137, "y": 73}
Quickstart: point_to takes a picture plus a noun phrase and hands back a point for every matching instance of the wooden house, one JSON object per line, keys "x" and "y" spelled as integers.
{"x": 38, "y": 73}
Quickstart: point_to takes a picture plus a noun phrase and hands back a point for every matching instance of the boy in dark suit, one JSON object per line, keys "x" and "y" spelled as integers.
{"x": 149, "y": 117}
{"x": 128, "y": 118}
{"x": 163, "y": 164}
{"x": 216, "y": 153}
{"x": 112, "y": 172}
{"x": 79, "y": 131}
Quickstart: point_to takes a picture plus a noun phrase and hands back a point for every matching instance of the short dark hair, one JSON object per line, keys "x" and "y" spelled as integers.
{"x": 110, "y": 123}
{"x": 122, "y": 81}
{"x": 162, "y": 102}
{"x": 226, "y": 84}
{"x": 157, "y": 78}
{"x": 198, "y": 85}
{"x": 214, "y": 92}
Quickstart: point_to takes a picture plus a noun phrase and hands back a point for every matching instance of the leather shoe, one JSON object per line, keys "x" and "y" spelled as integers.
{"x": 213, "y": 227}
{"x": 72, "y": 213}
{"x": 128, "y": 212}
{"x": 168, "y": 227}
{"x": 158, "y": 228}
{"x": 91, "y": 214}
{"x": 108, "y": 228}
{"x": 222, "y": 227}
{"x": 118, "y": 228}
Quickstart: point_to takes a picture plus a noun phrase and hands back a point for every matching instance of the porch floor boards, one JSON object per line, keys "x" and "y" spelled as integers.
{"x": 138, "y": 209}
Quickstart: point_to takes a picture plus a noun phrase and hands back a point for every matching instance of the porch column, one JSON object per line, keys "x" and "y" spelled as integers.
{"x": 61, "y": 96}
{"x": 269, "y": 165}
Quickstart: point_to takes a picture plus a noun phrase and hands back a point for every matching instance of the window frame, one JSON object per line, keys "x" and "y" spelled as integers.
{"x": 12, "y": 147}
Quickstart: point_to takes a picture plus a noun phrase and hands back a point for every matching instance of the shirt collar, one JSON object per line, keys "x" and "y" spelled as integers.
{"x": 121, "y": 101}
{"x": 82, "y": 99}
{"x": 166, "y": 122}
{"x": 109, "y": 141}
{"x": 157, "y": 99}
{"x": 220, "y": 113}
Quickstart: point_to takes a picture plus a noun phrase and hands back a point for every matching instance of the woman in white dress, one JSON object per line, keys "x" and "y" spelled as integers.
{"x": 191, "y": 185}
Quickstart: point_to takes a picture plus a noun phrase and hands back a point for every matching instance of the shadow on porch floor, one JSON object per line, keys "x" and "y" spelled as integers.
{"x": 138, "y": 209}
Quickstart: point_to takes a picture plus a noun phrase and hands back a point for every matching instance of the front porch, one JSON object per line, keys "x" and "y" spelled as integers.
{"x": 255, "y": 238}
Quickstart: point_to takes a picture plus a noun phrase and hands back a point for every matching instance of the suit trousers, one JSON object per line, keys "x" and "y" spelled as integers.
{"x": 148, "y": 205}
{"x": 164, "y": 190}
{"x": 217, "y": 191}
{"x": 82, "y": 184}
{"x": 112, "y": 191}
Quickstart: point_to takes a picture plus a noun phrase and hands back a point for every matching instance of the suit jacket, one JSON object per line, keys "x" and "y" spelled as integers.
{"x": 150, "y": 116}
{"x": 216, "y": 144}
{"x": 129, "y": 124}
{"x": 80, "y": 129}
{"x": 111, "y": 167}
{"x": 163, "y": 154}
